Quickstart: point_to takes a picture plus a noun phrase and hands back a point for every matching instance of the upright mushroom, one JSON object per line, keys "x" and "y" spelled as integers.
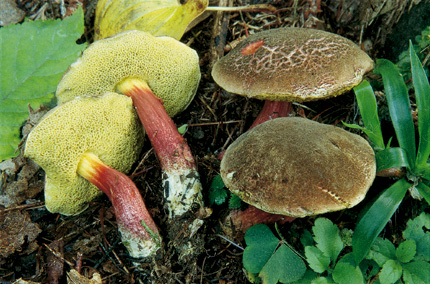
{"x": 298, "y": 167}
{"x": 161, "y": 75}
{"x": 288, "y": 65}
{"x": 87, "y": 143}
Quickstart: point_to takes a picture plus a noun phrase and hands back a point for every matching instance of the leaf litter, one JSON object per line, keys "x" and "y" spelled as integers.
{"x": 90, "y": 249}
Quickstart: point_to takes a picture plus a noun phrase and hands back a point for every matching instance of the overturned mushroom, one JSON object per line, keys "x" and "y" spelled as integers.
{"x": 87, "y": 143}
{"x": 298, "y": 167}
{"x": 161, "y": 75}
{"x": 291, "y": 65}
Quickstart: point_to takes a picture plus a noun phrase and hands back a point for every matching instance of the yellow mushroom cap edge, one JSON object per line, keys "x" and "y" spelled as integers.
{"x": 105, "y": 125}
{"x": 169, "y": 67}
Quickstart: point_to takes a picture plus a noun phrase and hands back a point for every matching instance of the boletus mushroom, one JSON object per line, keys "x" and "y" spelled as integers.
{"x": 161, "y": 75}
{"x": 85, "y": 145}
{"x": 297, "y": 167}
{"x": 287, "y": 65}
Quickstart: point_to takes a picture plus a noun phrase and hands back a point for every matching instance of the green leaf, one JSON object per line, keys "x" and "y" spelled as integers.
{"x": 414, "y": 231}
{"x": 182, "y": 129}
{"x": 284, "y": 266}
{"x": 33, "y": 57}
{"x": 261, "y": 244}
{"x": 158, "y": 17}
{"x": 391, "y": 158}
{"x": 217, "y": 183}
{"x": 346, "y": 273}
{"x": 416, "y": 272}
{"x": 406, "y": 251}
{"x": 217, "y": 191}
{"x": 369, "y": 113}
{"x": 234, "y": 202}
{"x": 391, "y": 272}
{"x": 382, "y": 250}
{"x": 376, "y": 217}
{"x": 316, "y": 259}
{"x": 422, "y": 95}
{"x": 424, "y": 191}
{"x": 327, "y": 237}
{"x": 399, "y": 106}
{"x": 307, "y": 278}
{"x": 321, "y": 280}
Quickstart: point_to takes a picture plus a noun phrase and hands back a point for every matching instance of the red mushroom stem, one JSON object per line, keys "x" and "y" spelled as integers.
{"x": 243, "y": 220}
{"x": 272, "y": 110}
{"x": 138, "y": 231}
{"x": 182, "y": 187}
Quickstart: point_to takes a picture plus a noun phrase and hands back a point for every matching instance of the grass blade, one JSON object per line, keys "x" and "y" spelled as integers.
{"x": 391, "y": 158}
{"x": 399, "y": 106}
{"x": 422, "y": 94}
{"x": 376, "y": 217}
{"x": 369, "y": 112}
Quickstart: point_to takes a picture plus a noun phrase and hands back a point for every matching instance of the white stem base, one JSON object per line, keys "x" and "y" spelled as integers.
{"x": 182, "y": 191}
{"x": 137, "y": 246}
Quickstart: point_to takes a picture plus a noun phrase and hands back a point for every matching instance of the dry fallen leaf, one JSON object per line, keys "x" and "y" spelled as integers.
{"x": 15, "y": 229}
{"x": 158, "y": 17}
{"x": 73, "y": 277}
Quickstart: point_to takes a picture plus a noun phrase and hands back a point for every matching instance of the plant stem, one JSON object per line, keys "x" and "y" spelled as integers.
{"x": 182, "y": 187}
{"x": 130, "y": 210}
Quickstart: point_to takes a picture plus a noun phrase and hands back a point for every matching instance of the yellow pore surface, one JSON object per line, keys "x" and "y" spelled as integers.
{"x": 106, "y": 126}
{"x": 170, "y": 68}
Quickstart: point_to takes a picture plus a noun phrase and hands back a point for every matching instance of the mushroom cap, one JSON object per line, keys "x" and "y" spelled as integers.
{"x": 169, "y": 67}
{"x": 292, "y": 64}
{"x": 106, "y": 126}
{"x": 298, "y": 167}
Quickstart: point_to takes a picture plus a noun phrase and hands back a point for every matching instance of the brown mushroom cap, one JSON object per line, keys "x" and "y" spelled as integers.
{"x": 298, "y": 167}
{"x": 292, "y": 64}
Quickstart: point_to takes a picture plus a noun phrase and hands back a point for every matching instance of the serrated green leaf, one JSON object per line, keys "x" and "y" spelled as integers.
{"x": 158, "y": 17}
{"x": 406, "y": 251}
{"x": 399, "y": 106}
{"x": 261, "y": 243}
{"x": 316, "y": 259}
{"x": 217, "y": 183}
{"x": 217, "y": 196}
{"x": 284, "y": 266}
{"x": 390, "y": 272}
{"x": 346, "y": 273}
{"x": 414, "y": 231}
{"x": 33, "y": 57}
{"x": 234, "y": 201}
{"x": 327, "y": 237}
{"x": 416, "y": 272}
{"x": 376, "y": 217}
{"x": 217, "y": 192}
{"x": 382, "y": 250}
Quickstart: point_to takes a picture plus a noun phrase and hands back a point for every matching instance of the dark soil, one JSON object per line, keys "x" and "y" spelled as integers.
{"x": 90, "y": 242}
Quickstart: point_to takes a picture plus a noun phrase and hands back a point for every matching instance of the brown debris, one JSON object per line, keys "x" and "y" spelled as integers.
{"x": 17, "y": 233}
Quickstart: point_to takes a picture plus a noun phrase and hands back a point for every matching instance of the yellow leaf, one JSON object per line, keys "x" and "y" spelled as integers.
{"x": 158, "y": 17}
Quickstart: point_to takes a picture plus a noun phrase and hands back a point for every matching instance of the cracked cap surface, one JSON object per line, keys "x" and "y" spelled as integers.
{"x": 169, "y": 67}
{"x": 298, "y": 167}
{"x": 292, "y": 64}
{"x": 106, "y": 126}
